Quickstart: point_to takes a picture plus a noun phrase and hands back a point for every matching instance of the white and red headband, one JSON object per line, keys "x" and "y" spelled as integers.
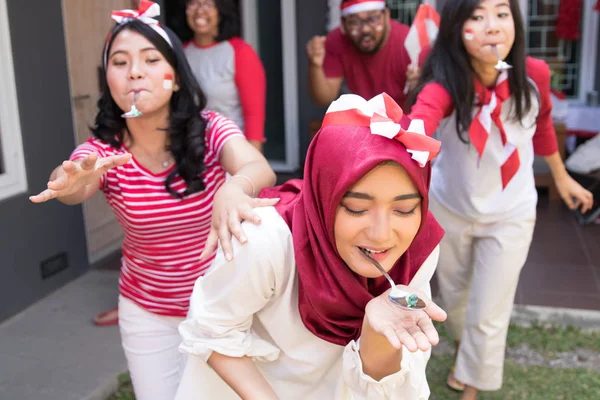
{"x": 383, "y": 116}
{"x": 146, "y": 13}
{"x": 356, "y": 6}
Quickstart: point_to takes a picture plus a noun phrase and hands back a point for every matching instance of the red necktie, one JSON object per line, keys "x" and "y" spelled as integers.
{"x": 490, "y": 103}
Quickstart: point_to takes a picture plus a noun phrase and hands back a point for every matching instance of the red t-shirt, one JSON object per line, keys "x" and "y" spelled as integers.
{"x": 368, "y": 75}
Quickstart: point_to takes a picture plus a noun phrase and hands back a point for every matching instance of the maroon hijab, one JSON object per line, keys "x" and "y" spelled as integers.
{"x": 332, "y": 298}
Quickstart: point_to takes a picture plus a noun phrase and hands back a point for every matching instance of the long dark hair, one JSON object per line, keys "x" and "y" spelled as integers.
{"x": 186, "y": 125}
{"x": 449, "y": 64}
{"x": 229, "y": 21}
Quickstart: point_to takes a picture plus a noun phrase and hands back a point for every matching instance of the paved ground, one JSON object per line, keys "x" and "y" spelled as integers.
{"x": 563, "y": 266}
{"x": 51, "y": 351}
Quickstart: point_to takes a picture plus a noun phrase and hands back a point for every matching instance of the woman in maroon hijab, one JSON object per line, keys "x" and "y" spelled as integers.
{"x": 301, "y": 313}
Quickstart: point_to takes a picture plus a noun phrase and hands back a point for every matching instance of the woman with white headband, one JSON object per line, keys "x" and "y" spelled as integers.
{"x": 161, "y": 161}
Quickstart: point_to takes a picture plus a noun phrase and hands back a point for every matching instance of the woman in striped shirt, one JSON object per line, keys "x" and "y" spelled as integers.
{"x": 161, "y": 173}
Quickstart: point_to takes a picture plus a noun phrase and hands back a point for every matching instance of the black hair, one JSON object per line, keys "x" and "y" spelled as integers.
{"x": 186, "y": 127}
{"x": 449, "y": 64}
{"x": 229, "y": 21}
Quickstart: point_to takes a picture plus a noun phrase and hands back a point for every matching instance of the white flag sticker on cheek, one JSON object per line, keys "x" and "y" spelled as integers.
{"x": 469, "y": 34}
{"x": 168, "y": 82}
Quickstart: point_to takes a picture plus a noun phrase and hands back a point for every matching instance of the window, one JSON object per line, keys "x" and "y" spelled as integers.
{"x": 573, "y": 63}
{"x": 572, "y": 67}
{"x": 573, "y": 70}
{"x": 403, "y": 10}
{"x": 12, "y": 163}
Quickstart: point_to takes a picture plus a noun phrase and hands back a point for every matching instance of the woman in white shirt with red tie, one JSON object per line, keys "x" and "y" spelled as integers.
{"x": 491, "y": 120}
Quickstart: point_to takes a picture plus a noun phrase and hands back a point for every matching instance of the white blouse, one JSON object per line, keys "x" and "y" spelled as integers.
{"x": 472, "y": 187}
{"x": 249, "y": 307}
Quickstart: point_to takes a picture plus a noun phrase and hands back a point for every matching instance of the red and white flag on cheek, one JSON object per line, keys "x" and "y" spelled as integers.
{"x": 469, "y": 34}
{"x": 168, "y": 82}
{"x": 423, "y": 32}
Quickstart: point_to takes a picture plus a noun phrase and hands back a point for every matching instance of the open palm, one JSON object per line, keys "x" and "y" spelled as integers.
{"x": 412, "y": 328}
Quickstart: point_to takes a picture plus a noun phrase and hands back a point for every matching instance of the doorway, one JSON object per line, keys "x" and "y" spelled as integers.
{"x": 86, "y": 25}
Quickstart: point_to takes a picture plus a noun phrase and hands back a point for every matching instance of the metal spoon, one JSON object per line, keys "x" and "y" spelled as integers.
{"x": 502, "y": 65}
{"x": 409, "y": 301}
{"x": 133, "y": 112}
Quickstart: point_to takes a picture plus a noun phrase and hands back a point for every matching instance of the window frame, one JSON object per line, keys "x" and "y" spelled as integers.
{"x": 250, "y": 33}
{"x": 13, "y": 180}
{"x": 589, "y": 37}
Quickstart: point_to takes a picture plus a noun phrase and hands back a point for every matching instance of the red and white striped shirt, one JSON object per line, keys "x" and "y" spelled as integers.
{"x": 164, "y": 235}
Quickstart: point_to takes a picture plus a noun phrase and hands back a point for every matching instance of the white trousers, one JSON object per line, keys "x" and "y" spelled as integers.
{"x": 151, "y": 345}
{"x": 478, "y": 273}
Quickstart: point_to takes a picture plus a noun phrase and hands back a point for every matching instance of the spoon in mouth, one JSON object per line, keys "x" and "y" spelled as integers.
{"x": 133, "y": 112}
{"x": 409, "y": 301}
{"x": 502, "y": 65}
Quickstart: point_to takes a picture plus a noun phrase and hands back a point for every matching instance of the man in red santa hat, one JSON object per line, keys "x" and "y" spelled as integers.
{"x": 367, "y": 51}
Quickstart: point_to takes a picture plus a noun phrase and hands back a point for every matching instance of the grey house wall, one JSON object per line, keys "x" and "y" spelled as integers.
{"x": 32, "y": 233}
{"x": 597, "y": 87}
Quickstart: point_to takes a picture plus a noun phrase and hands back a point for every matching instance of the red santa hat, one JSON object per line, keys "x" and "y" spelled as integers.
{"x": 356, "y": 6}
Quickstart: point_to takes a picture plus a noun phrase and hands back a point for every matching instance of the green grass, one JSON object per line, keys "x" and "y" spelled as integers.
{"x": 527, "y": 383}
{"x": 545, "y": 339}
{"x": 553, "y": 339}
{"x": 125, "y": 391}
{"x": 530, "y": 382}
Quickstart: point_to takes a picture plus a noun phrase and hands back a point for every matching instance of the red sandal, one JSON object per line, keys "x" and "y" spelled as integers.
{"x": 107, "y": 318}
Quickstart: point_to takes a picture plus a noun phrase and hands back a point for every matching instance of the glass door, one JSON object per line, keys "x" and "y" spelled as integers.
{"x": 270, "y": 27}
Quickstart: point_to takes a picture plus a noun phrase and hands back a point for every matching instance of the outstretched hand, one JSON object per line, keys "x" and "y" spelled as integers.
{"x": 75, "y": 175}
{"x": 410, "y": 328}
